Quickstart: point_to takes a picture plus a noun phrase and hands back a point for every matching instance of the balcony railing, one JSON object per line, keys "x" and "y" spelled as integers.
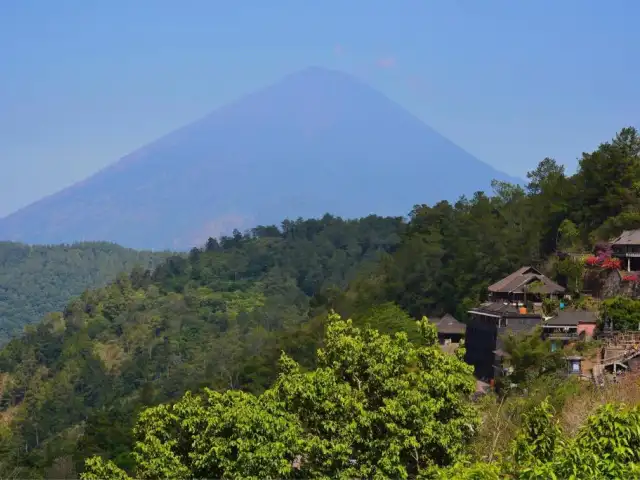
{"x": 627, "y": 254}
{"x": 561, "y": 335}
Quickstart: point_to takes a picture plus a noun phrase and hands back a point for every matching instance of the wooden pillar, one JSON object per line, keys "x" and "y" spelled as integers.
{"x": 628, "y": 264}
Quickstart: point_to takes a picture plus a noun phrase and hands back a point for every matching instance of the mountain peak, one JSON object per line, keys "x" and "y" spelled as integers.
{"x": 318, "y": 141}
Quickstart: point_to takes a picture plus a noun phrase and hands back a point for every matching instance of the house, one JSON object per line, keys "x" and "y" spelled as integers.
{"x": 523, "y": 286}
{"x": 568, "y": 326}
{"x": 450, "y": 330}
{"x": 486, "y": 324}
{"x": 626, "y": 247}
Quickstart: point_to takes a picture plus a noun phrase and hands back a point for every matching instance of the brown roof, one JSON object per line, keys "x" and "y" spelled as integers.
{"x": 448, "y": 324}
{"x": 628, "y": 237}
{"x": 518, "y": 280}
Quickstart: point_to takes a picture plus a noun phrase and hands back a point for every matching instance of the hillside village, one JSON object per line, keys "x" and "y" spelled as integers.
{"x": 540, "y": 281}
{"x": 570, "y": 319}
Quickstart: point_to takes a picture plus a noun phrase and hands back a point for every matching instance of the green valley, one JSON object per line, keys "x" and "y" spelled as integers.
{"x": 35, "y": 280}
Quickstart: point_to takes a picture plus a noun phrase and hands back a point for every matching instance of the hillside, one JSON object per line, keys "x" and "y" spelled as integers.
{"x": 318, "y": 141}
{"x": 221, "y": 316}
{"x": 217, "y": 317}
{"x": 35, "y": 280}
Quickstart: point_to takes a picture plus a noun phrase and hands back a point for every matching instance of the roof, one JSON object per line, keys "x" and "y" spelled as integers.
{"x": 502, "y": 310}
{"x": 518, "y": 280}
{"x": 628, "y": 237}
{"x": 571, "y": 318}
{"x": 448, "y": 324}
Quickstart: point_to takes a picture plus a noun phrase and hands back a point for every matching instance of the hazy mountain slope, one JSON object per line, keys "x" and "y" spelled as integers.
{"x": 41, "y": 279}
{"x": 318, "y": 141}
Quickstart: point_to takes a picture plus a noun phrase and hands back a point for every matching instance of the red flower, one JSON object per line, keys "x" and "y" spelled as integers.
{"x": 630, "y": 278}
{"x": 612, "y": 264}
{"x": 591, "y": 260}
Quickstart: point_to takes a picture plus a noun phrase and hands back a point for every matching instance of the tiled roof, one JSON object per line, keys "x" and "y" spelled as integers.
{"x": 572, "y": 317}
{"x": 497, "y": 308}
{"x": 448, "y": 324}
{"x": 517, "y": 281}
{"x": 628, "y": 237}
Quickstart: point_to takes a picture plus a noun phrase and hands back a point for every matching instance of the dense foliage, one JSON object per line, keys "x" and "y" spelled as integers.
{"x": 35, "y": 280}
{"x": 530, "y": 357}
{"x": 607, "y": 446}
{"x": 375, "y": 407}
{"x": 622, "y": 313}
{"x": 220, "y": 317}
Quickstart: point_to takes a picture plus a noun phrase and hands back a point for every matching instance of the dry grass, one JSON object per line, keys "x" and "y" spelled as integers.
{"x": 580, "y": 406}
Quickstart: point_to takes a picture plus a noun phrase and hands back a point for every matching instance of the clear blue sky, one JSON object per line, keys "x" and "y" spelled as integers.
{"x": 82, "y": 83}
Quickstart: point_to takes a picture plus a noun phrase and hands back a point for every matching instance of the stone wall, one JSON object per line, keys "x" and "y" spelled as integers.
{"x": 613, "y": 286}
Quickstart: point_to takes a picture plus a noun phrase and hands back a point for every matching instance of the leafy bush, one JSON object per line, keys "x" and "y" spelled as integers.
{"x": 623, "y": 312}
{"x": 374, "y": 407}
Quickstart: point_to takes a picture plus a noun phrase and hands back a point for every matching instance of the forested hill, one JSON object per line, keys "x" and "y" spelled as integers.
{"x": 35, "y": 280}
{"x": 221, "y": 316}
{"x": 217, "y": 317}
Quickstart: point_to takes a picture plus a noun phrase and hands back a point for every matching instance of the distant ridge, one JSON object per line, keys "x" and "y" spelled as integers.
{"x": 318, "y": 141}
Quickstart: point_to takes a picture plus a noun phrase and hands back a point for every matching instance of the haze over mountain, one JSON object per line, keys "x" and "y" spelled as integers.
{"x": 318, "y": 141}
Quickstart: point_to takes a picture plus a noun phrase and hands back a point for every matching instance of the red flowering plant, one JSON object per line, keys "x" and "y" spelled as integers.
{"x": 631, "y": 278}
{"x": 602, "y": 258}
{"x": 592, "y": 261}
{"x": 611, "y": 264}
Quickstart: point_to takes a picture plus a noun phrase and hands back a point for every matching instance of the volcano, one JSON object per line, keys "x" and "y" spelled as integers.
{"x": 318, "y": 141}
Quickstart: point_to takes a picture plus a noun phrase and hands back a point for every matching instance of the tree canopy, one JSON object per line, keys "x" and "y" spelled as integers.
{"x": 376, "y": 406}
{"x": 219, "y": 318}
{"x": 36, "y": 280}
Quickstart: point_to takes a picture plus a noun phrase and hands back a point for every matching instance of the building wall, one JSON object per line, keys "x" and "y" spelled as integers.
{"x": 480, "y": 342}
{"x": 588, "y": 329}
{"x": 483, "y": 338}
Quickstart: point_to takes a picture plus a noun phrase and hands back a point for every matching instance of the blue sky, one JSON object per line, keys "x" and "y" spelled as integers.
{"x": 84, "y": 83}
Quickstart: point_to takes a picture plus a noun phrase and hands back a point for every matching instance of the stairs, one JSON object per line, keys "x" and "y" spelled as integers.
{"x": 618, "y": 350}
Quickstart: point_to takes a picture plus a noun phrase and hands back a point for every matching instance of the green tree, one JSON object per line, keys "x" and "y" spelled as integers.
{"x": 538, "y": 437}
{"x": 570, "y": 271}
{"x": 530, "y": 357}
{"x": 376, "y": 406}
{"x": 568, "y": 236}
{"x": 608, "y": 179}
{"x": 606, "y": 447}
{"x": 622, "y": 312}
